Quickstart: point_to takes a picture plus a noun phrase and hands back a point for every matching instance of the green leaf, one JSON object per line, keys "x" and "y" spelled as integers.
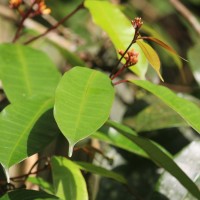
{"x": 110, "y": 18}
{"x": 19, "y": 138}
{"x": 159, "y": 157}
{"x": 47, "y": 187}
{"x": 114, "y": 138}
{"x": 26, "y": 72}
{"x": 68, "y": 181}
{"x": 83, "y": 101}
{"x": 22, "y": 194}
{"x": 193, "y": 57}
{"x": 188, "y": 160}
{"x": 186, "y": 109}
{"x": 154, "y": 117}
{"x": 101, "y": 171}
{"x": 151, "y": 56}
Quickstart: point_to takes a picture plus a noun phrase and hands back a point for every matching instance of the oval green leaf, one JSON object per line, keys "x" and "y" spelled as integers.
{"x": 83, "y": 102}
{"x": 159, "y": 156}
{"x": 151, "y": 56}
{"x": 186, "y": 109}
{"x": 20, "y": 135}
{"x": 20, "y": 194}
{"x": 67, "y": 179}
{"x": 188, "y": 160}
{"x": 26, "y": 72}
{"x": 111, "y": 19}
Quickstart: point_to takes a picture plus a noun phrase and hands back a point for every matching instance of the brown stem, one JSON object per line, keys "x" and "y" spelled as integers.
{"x": 115, "y": 69}
{"x": 57, "y": 24}
{"x": 121, "y": 81}
{"x": 24, "y": 17}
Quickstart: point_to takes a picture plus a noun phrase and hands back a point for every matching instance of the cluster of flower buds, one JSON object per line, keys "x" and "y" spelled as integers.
{"x": 41, "y": 8}
{"x": 15, "y": 3}
{"x": 131, "y": 57}
{"x": 137, "y": 23}
{"x": 38, "y": 7}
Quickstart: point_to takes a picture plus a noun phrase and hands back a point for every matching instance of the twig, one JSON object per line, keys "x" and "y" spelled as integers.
{"x": 57, "y": 24}
{"x": 187, "y": 14}
{"x": 25, "y": 16}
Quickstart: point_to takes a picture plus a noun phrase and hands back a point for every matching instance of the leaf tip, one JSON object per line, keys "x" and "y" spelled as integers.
{"x": 70, "y": 151}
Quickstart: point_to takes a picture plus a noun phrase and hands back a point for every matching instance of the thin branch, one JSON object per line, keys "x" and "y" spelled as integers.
{"x": 25, "y": 16}
{"x": 115, "y": 69}
{"x": 57, "y": 24}
{"x": 186, "y": 14}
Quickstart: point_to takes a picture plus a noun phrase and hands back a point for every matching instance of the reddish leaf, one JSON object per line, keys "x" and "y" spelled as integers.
{"x": 151, "y": 56}
{"x": 164, "y": 45}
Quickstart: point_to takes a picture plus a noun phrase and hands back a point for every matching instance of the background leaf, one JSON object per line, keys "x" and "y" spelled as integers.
{"x": 194, "y": 59}
{"x": 159, "y": 157}
{"x": 154, "y": 117}
{"x": 26, "y": 72}
{"x": 44, "y": 185}
{"x": 101, "y": 171}
{"x": 82, "y": 104}
{"x": 19, "y": 138}
{"x": 186, "y": 109}
{"x": 111, "y": 136}
{"x": 110, "y": 18}
{"x": 151, "y": 56}
{"x": 188, "y": 160}
{"x": 27, "y": 195}
{"x": 68, "y": 181}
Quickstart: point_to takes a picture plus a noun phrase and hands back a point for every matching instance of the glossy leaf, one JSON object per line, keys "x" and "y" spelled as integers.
{"x": 101, "y": 171}
{"x": 154, "y": 117}
{"x": 46, "y": 186}
{"x": 22, "y": 194}
{"x": 151, "y": 56}
{"x": 186, "y": 109}
{"x": 68, "y": 181}
{"x": 114, "y": 138}
{"x": 83, "y": 102}
{"x": 26, "y": 72}
{"x": 20, "y": 135}
{"x": 110, "y": 18}
{"x": 193, "y": 57}
{"x": 159, "y": 157}
{"x": 188, "y": 160}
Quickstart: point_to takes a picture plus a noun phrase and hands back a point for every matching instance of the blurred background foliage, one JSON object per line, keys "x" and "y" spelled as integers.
{"x": 86, "y": 44}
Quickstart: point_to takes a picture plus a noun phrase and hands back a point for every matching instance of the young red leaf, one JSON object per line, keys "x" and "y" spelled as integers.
{"x": 164, "y": 45}
{"x": 151, "y": 56}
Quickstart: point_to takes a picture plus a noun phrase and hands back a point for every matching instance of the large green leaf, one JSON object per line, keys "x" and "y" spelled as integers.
{"x": 19, "y": 138}
{"x": 22, "y": 194}
{"x": 110, "y": 18}
{"x": 114, "y": 138}
{"x": 101, "y": 171}
{"x": 186, "y": 109}
{"x": 82, "y": 103}
{"x": 26, "y": 72}
{"x": 188, "y": 160}
{"x": 68, "y": 181}
{"x": 154, "y": 117}
{"x": 159, "y": 157}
